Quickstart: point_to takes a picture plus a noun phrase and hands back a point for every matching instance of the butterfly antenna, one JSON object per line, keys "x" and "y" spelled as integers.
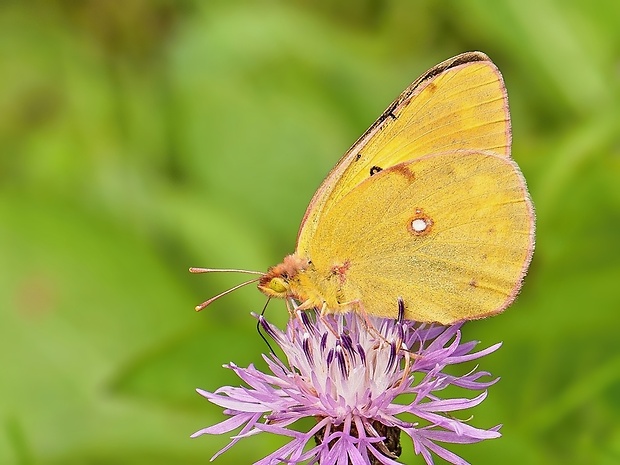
{"x": 208, "y": 302}
{"x": 258, "y": 327}
{"x": 222, "y": 270}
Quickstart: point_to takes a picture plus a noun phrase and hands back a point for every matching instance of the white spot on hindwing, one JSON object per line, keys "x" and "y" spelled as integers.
{"x": 419, "y": 225}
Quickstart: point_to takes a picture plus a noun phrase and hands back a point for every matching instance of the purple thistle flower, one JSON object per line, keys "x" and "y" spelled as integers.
{"x": 348, "y": 378}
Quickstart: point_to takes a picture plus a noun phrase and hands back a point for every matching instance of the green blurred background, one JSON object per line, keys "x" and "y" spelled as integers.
{"x": 139, "y": 138}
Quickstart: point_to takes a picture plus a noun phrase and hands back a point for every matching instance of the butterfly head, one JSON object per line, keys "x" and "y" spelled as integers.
{"x": 279, "y": 279}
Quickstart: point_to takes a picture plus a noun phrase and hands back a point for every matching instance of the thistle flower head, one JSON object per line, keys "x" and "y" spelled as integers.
{"x": 365, "y": 381}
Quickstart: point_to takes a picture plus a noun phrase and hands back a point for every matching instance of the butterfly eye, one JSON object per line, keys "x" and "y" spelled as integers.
{"x": 278, "y": 285}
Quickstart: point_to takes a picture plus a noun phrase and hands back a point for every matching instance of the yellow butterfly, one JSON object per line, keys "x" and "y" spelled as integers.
{"x": 427, "y": 207}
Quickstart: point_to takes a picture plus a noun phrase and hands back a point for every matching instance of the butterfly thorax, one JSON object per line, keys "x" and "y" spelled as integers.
{"x": 298, "y": 278}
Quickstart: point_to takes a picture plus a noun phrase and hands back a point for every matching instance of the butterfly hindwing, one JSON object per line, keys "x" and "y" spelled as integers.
{"x": 463, "y": 258}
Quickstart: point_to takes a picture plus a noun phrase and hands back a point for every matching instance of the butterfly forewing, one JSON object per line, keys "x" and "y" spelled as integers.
{"x": 459, "y": 104}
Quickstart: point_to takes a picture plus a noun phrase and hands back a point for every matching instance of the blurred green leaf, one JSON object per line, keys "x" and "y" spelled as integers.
{"x": 139, "y": 141}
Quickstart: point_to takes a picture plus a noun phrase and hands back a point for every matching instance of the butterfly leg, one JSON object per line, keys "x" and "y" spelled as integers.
{"x": 291, "y": 308}
{"x": 298, "y": 313}
{"x": 358, "y": 308}
{"x": 329, "y": 323}
{"x": 397, "y": 341}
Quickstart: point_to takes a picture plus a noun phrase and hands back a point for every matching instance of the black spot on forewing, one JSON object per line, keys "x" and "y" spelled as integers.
{"x": 375, "y": 169}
